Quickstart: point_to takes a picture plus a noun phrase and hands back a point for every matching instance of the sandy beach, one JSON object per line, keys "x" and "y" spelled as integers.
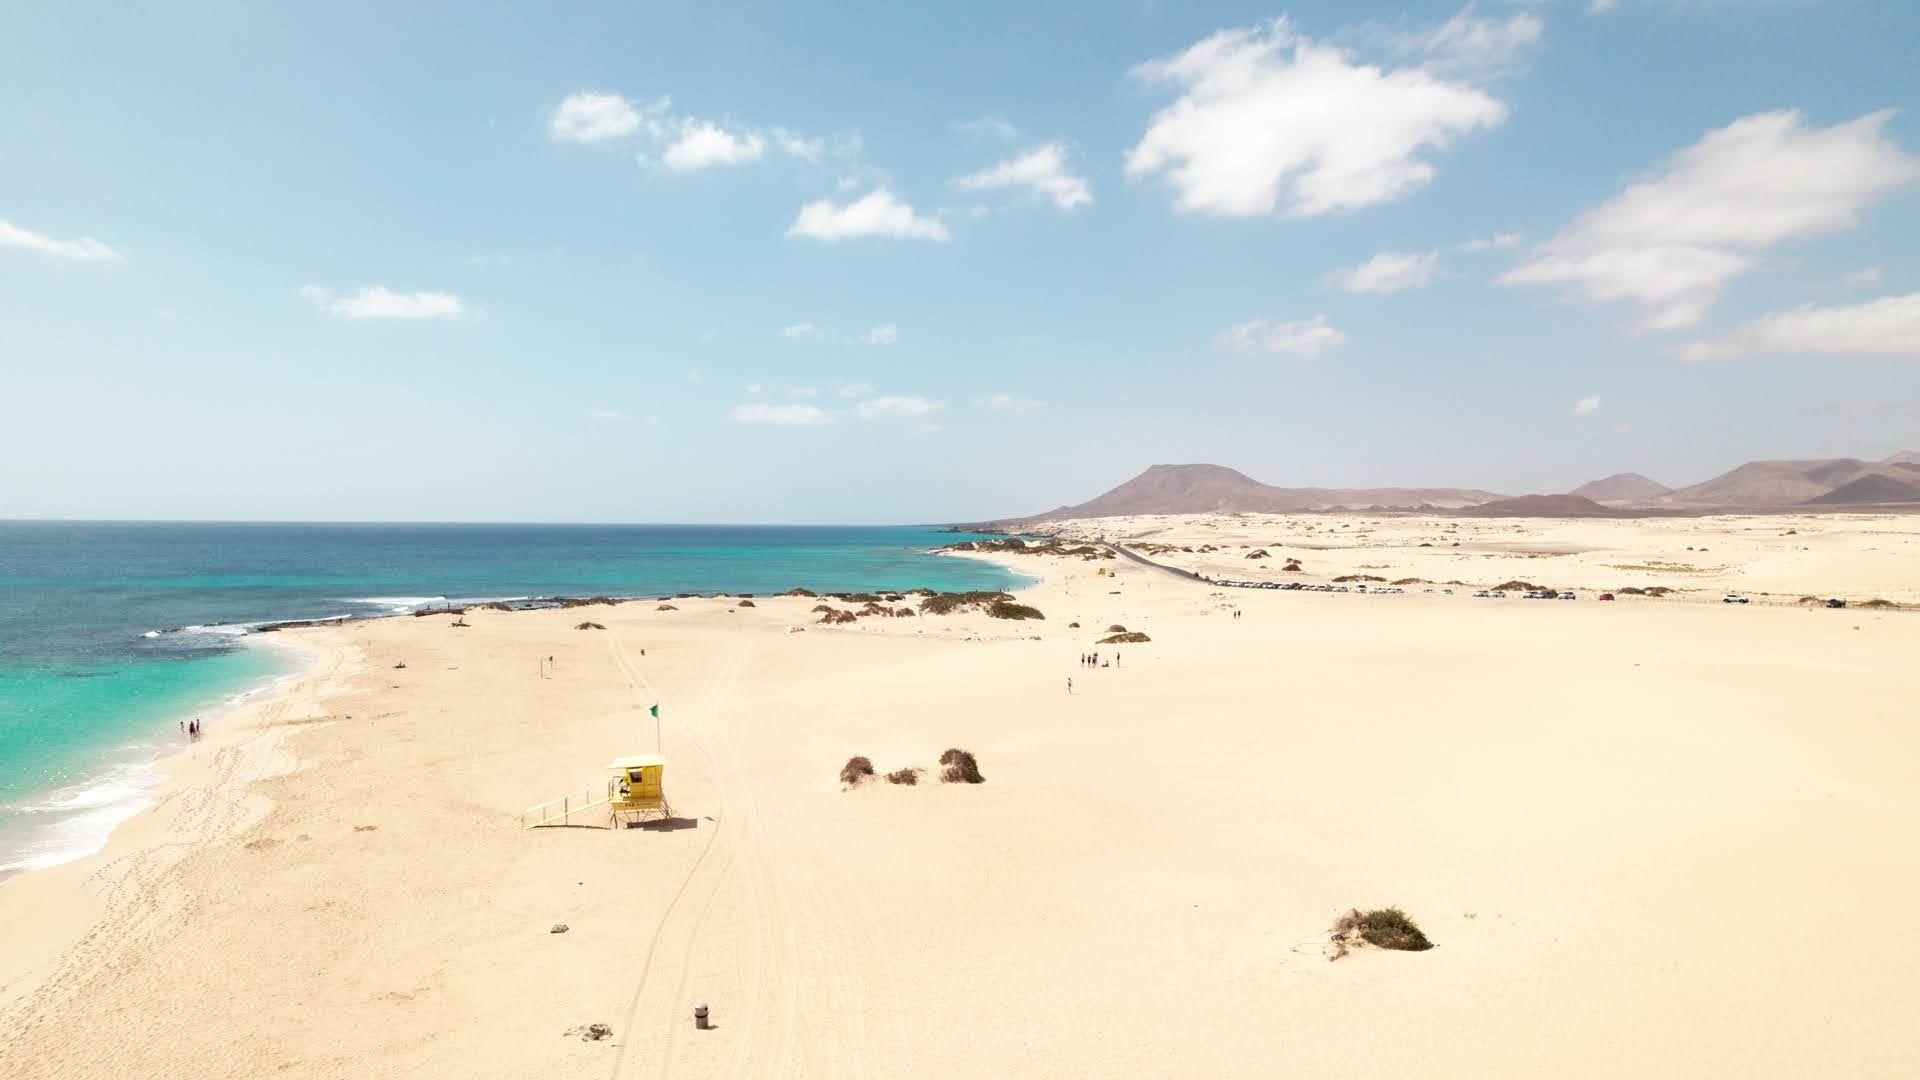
{"x": 1648, "y": 838}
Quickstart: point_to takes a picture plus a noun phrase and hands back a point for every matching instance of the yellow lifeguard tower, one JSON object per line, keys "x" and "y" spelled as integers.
{"x": 637, "y": 787}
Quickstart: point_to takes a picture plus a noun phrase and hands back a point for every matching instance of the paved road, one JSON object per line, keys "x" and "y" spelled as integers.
{"x": 1144, "y": 561}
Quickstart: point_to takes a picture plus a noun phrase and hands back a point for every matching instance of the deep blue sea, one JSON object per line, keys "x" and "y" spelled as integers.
{"x": 112, "y": 632}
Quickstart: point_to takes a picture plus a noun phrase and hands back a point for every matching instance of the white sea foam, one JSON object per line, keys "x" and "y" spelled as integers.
{"x": 74, "y": 822}
{"x": 396, "y": 605}
{"x": 151, "y": 633}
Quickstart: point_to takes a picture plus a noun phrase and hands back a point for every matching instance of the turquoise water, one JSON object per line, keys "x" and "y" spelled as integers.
{"x": 111, "y": 633}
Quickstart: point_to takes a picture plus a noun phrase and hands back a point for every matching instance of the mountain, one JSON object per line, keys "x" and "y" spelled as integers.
{"x": 1626, "y": 487}
{"x": 1205, "y": 489}
{"x": 1554, "y": 506}
{"x": 1766, "y": 484}
{"x": 1869, "y": 489}
{"x": 1904, "y": 457}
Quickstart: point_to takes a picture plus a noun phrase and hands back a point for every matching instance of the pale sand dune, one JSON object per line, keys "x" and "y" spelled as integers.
{"x": 1649, "y": 839}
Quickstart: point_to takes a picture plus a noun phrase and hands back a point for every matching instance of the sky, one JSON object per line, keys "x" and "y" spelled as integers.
{"x": 883, "y": 262}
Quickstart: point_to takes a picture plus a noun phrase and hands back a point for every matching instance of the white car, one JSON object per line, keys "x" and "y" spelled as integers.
{"x": 1483, "y": 592}
{"x": 1734, "y": 598}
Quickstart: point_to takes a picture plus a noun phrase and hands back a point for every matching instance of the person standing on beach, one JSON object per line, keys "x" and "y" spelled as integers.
{"x": 1069, "y": 684}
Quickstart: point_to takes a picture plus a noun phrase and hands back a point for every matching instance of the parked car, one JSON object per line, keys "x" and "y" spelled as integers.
{"x": 1499, "y": 593}
{"x": 1734, "y": 598}
{"x": 1606, "y": 596}
{"x": 1482, "y": 592}
{"x": 1836, "y": 602}
{"x": 1568, "y": 596}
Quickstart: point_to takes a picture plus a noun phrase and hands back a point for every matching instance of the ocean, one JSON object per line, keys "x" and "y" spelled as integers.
{"x": 112, "y": 632}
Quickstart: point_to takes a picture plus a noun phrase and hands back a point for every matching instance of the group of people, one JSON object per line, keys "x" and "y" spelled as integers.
{"x": 191, "y": 729}
{"x": 1092, "y": 659}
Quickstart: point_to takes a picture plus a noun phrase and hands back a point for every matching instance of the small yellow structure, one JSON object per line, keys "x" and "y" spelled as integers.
{"x": 637, "y": 786}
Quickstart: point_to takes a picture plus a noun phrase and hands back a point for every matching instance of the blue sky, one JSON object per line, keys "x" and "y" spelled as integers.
{"x": 896, "y": 262}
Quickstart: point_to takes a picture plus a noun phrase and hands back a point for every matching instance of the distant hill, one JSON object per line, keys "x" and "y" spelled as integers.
{"x": 1206, "y": 489}
{"x": 1767, "y": 484}
{"x": 1558, "y": 506}
{"x": 1870, "y": 489}
{"x": 1626, "y": 487}
{"x": 1904, "y": 457}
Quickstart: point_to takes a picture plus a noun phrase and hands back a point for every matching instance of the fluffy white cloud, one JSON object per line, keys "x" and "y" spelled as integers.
{"x": 1887, "y": 327}
{"x": 1670, "y": 243}
{"x": 1007, "y": 403}
{"x": 854, "y": 390}
{"x": 876, "y": 213}
{"x": 379, "y": 302}
{"x": 899, "y": 406}
{"x": 85, "y": 249}
{"x": 681, "y": 143}
{"x": 879, "y": 334}
{"x": 1497, "y": 242}
{"x": 1308, "y": 338}
{"x": 793, "y": 414}
{"x": 701, "y": 144}
{"x": 1269, "y": 119}
{"x": 1586, "y": 405}
{"x": 1042, "y": 170}
{"x": 1387, "y": 272}
{"x": 587, "y": 116}
{"x": 1468, "y": 45}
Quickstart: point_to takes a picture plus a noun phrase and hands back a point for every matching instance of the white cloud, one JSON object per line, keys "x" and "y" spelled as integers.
{"x": 681, "y": 143}
{"x": 1887, "y": 327}
{"x": 899, "y": 406}
{"x": 1468, "y": 45}
{"x": 1670, "y": 243}
{"x": 379, "y": 302}
{"x": 795, "y": 414}
{"x": 1042, "y": 170}
{"x": 1863, "y": 277}
{"x": 608, "y": 416}
{"x": 753, "y": 388}
{"x": 879, "y": 334}
{"x": 1308, "y": 338}
{"x": 854, "y": 390}
{"x": 85, "y": 249}
{"x": 1007, "y": 403}
{"x": 992, "y": 126}
{"x": 1387, "y": 272}
{"x": 701, "y": 144}
{"x": 1269, "y": 119}
{"x": 1497, "y": 242}
{"x": 876, "y": 213}
{"x": 883, "y": 334}
{"x": 1601, "y": 7}
{"x": 587, "y": 116}
{"x": 1586, "y": 405}
{"x": 803, "y": 331}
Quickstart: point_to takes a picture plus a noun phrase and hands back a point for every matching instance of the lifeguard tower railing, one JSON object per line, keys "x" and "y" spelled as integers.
{"x": 557, "y": 811}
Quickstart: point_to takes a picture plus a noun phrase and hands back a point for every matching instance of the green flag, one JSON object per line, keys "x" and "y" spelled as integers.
{"x": 655, "y": 710}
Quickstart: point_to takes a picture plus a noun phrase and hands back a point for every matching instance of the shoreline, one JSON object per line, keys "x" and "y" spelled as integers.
{"x": 346, "y": 856}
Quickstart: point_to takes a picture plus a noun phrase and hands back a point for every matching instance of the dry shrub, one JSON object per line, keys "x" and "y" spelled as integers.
{"x": 747, "y": 603}
{"x": 822, "y": 607}
{"x": 1383, "y": 928}
{"x": 1132, "y": 637}
{"x": 1116, "y": 628}
{"x": 1518, "y": 586}
{"x": 799, "y": 592}
{"x": 1073, "y": 626}
{"x": 666, "y": 607}
{"x": 1007, "y": 609}
{"x": 1261, "y": 554}
{"x": 908, "y": 776}
{"x": 589, "y": 626}
{"x": 1358, "y": 577}
{"x": 960, "y": 768}
{"x": 1878, "y": 602}
{"x": 1411, "y": 581}
{"x": 832, "y": 617}
{"x": 855, "y": 770}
